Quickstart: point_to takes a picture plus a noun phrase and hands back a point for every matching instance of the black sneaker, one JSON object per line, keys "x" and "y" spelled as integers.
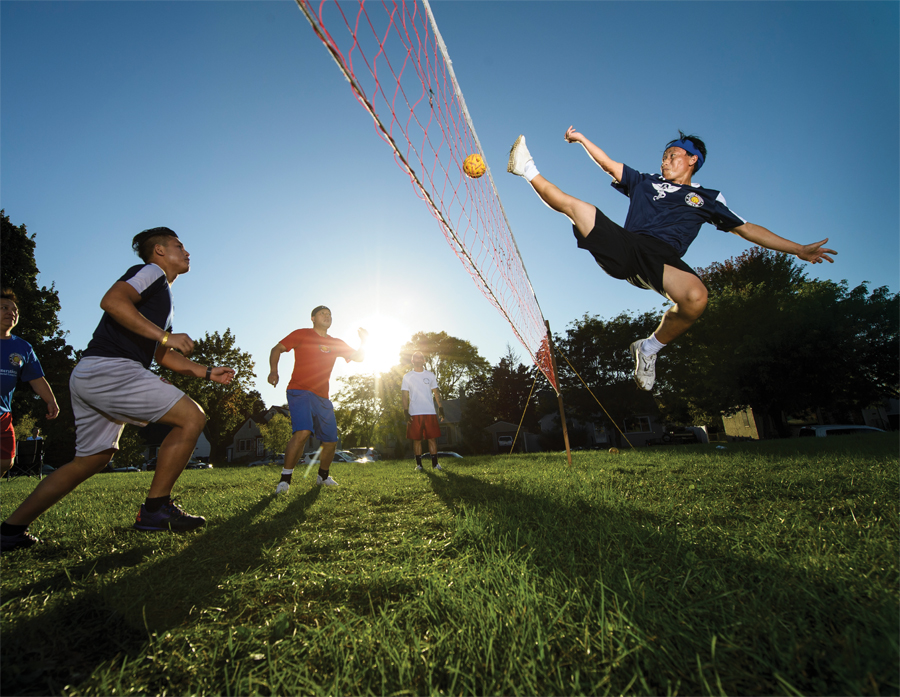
{"x": 169, "y": 517}
{"x": 10, "y": 542}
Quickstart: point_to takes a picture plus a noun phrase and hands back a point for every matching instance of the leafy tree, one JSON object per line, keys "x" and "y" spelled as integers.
{"x": 500, "y": 395}
{"x": 511, "y": 384}
{"x": 131, "y": 448}
{"x": 390, "y": 431}
{"x": 39, "y": 325}
{"x": 775, "y": 341}
{"x": 453, "y": 361}
{"x": 226, "y": 406}
{"x": 755, "y": 267}
{"x": 276, "y": 433}
{"x": 597, "y": 366}
{"x": 597, "y": 349}
{"x": 357, "y": 410}
{"x": 477, "y": 414}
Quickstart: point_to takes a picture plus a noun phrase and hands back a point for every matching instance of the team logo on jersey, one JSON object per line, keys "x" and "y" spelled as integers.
{"x": 16, "y": 360}
{"x": 663, "y": 189}
{"x": 427, "y": 381}
{"x": 324, "y": 349}
{"x": 694, "y": 200}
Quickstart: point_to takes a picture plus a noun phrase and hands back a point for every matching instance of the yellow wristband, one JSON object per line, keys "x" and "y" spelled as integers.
{"x": 164, "y": 339}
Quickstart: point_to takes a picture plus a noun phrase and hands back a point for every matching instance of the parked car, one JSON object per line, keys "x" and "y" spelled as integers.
{"x": 505, "y": 442}
{"x": 124, "y": 469}
{"x": 369, "y": 454}
{"x": 259, "y": 463}
{"x": 836, "y": 430}
{"x": 149, "y": 465}
{"x": 195, "y": 464}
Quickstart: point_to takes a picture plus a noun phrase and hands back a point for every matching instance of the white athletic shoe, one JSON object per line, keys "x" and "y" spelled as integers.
{"x": 328, "y": 481}
{"x": 282, "y": 488}
{"x": 438, "y": 467}
{"x": 519, "y": 158}
{"x": 644, "y": 366}
{"x": 418, "y": 468}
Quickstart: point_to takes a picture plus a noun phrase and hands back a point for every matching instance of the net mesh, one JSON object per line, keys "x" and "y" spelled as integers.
{"x": 393, "y": 56}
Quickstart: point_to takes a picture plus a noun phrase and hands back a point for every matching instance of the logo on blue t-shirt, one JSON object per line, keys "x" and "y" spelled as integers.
{"x": 16, "y": 360}
{"x": 694, "y": 200}
{"x": 663, "y": 189}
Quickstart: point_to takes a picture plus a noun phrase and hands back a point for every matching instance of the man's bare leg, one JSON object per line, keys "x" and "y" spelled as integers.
{"x": 57, "y": 484}
{"x": 187, "y": 420}
{"x": 294, "y": 448}
{"x": 292, "y": 454}
{"x": 582, "y": 214}
{"x": 690, "y": 298}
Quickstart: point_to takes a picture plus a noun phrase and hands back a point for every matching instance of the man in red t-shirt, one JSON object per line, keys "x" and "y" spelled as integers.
{"x": 311, "y": 411}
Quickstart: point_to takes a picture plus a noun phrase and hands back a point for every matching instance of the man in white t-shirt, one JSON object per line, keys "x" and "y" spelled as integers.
{"x": 420, "y": 392}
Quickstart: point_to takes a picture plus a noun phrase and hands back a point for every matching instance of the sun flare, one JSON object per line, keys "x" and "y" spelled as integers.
{"x": 386, "y": 336}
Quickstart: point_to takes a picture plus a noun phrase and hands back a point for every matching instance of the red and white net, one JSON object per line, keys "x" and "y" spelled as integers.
{"x": 393, "y": 56}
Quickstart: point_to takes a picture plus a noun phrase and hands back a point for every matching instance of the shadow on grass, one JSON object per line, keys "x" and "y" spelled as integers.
{"x": 698, "y": 609}
{"x": 62, "y": 646}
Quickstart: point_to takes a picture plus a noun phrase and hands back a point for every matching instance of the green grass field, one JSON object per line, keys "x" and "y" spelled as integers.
{"x": 764, "y": 568}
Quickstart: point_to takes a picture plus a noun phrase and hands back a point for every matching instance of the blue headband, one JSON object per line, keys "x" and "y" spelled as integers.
{"x": 690, "y": 148}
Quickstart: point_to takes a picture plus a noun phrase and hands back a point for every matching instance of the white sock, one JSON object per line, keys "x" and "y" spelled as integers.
{"x": 287, "y": 471}
{"x": 651, "y": 346}
{"x": 530, "y": 170}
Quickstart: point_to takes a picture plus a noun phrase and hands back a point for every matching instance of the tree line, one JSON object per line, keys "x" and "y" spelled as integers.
{"x": 771, "y": 339}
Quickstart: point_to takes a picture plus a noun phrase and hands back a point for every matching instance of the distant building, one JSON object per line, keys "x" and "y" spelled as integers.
{"x": 248, "y": 440}
{"x": 636, "y": 420}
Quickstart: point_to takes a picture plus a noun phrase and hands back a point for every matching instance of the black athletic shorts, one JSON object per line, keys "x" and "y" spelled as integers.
{"x": 628, "y": 256}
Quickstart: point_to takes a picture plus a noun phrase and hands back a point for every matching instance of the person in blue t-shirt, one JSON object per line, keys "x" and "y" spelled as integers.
{"x": 112, "y": 385}
{"x": 664, "y": 217}
{"x": 18, "y": 363}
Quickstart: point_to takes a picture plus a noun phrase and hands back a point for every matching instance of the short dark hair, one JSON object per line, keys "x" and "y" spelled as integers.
{"x": 699, "y": 144}
{"x": 144, "y": 242}
{"x": 7, "y": 294}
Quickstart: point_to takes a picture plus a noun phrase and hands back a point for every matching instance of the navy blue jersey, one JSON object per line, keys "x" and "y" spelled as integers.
{"x": 672, "y": 212}
{"x": 17, "y": 364}
{"x": 112, "y": 340}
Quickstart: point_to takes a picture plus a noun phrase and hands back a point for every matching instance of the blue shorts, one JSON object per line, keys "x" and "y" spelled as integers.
{"x": 310, "y": 412}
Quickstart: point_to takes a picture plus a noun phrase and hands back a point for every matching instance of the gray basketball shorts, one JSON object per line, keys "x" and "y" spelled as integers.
{"x": 108, "y": 393}
{"x": 628, "y": 256}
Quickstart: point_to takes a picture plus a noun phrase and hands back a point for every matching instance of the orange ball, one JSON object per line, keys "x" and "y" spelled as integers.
{"x": 474, "y": 166}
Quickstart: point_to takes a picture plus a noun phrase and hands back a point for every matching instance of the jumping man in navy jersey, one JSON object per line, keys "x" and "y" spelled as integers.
{"x": 112, "y": 385}
{"x": 664, "y": 217}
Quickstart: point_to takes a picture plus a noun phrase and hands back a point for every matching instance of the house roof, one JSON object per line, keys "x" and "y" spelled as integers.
{"x": 501, "y": 426}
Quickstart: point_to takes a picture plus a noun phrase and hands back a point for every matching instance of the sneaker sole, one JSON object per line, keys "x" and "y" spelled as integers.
{"x": 512, "y": 155}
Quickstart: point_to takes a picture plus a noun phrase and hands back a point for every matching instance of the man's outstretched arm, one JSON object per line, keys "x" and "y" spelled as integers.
{"x": 814, "y": 253}
{"x": 609, "y": 165}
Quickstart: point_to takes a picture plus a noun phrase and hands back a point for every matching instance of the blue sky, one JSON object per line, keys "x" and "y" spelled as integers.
{"x": 229, "y": 122}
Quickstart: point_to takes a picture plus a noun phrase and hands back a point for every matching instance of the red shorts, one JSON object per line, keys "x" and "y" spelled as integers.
{"x": 423, "y": 426}
{"x": 7, "y": 437}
